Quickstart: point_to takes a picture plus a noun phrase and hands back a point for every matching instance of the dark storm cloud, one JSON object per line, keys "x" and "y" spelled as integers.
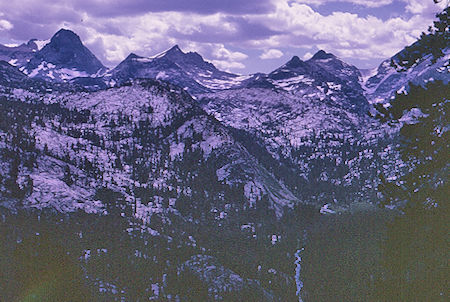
{"x": 37, "y": 19}
{"x": 116, "y": 8}
{"x": 25, "y": 30}
{"x": 109, "y": 28}
{"x": 251, "y": 30}
{"x": 39, "y": 12}
{"x": 42, "y": 18}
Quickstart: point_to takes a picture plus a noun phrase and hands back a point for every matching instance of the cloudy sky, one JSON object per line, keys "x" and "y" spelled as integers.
{"x": 242, "y": 36}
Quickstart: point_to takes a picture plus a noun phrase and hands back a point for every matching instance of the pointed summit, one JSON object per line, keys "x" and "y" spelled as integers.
{"x": 64, "y": 52}
{"x": 131, "y": 56}
{"x": 294, "y": 60}
{"x": 174, "y": 51}
{"x": 322, "y": 55}
{"x": 188, "y": 61}
{"x": 32, "y": 44}
{"x": 66, "y": 36}
{"x": 292, "y": 68}
{"x": 347, "y": 73}
{"x": 294, "y": 63}
{"x": 185, "y": 69}
{"x": 175, "y": 48}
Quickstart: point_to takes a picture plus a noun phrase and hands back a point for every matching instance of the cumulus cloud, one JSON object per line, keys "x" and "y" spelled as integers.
{"x": 218, "y": 54}
{"x": 221, "y": 52}
{"x": 271, "y": 54}
{"x": 307, "y": 56}
{"x": 5, "y": 25}
{"x": 424, "y": 7}
{"x": 367, "y": 3}
{"x": 153, "y": 33}
{"x": 218, "y": 28}
{"x": 347, "y": 35}
{"x": 228, "y": 66}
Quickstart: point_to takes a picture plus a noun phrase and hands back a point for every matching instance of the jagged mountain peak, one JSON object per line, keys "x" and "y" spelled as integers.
{"x": 18, "y": 55}
{"x": 131, "y": 56}
{"x": 294, "y": 67}
{"x": 185, "y": 69}
{"x": 185, "y": 59}
{"x": 423, "y": 61}
{"x": 32, "y": 44}
{"x": 322, "y": 55}
{"x": 66, "y": 36}
{"x": 349, "y": 74}
{"x": 68, "y": 45}
{"x": 175, "y": 49}
{"x": 63, "y": 58}
{"x": 294, "y": 62}
{"x": 172, "y": 53}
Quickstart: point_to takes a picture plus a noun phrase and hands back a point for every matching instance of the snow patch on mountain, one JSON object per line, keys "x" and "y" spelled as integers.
{"x": 381, "y": 87}
{"x": 41, "y": 43}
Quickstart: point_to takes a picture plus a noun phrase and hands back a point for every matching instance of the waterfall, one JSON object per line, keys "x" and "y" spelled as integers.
{"x": 298, "y": 267}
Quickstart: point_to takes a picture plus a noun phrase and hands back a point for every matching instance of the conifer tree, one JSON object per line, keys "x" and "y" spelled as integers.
{"x": 415, "y": 253}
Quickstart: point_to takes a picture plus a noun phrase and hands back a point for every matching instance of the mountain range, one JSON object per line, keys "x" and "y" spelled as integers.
{"x": 177, "y": 144}
{"x": 64, "y": 58}
{"x": 311, "y": 119}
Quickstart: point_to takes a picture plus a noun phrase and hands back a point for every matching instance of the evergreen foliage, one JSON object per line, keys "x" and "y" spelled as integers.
{"x": 433, "y": 42}
{"x": 416, "y": 249}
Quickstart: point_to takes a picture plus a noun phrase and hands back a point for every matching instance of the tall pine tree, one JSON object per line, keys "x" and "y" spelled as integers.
{"x": 415, "y": 253}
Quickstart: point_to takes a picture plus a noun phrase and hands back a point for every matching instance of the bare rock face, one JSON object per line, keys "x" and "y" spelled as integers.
{"x": 415, "y": 64}
{"x": 149, "y": 135}
{"x": 64, "y": 58}
{"x": 187, "y": 70}
{"x": 18, "y": 55}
